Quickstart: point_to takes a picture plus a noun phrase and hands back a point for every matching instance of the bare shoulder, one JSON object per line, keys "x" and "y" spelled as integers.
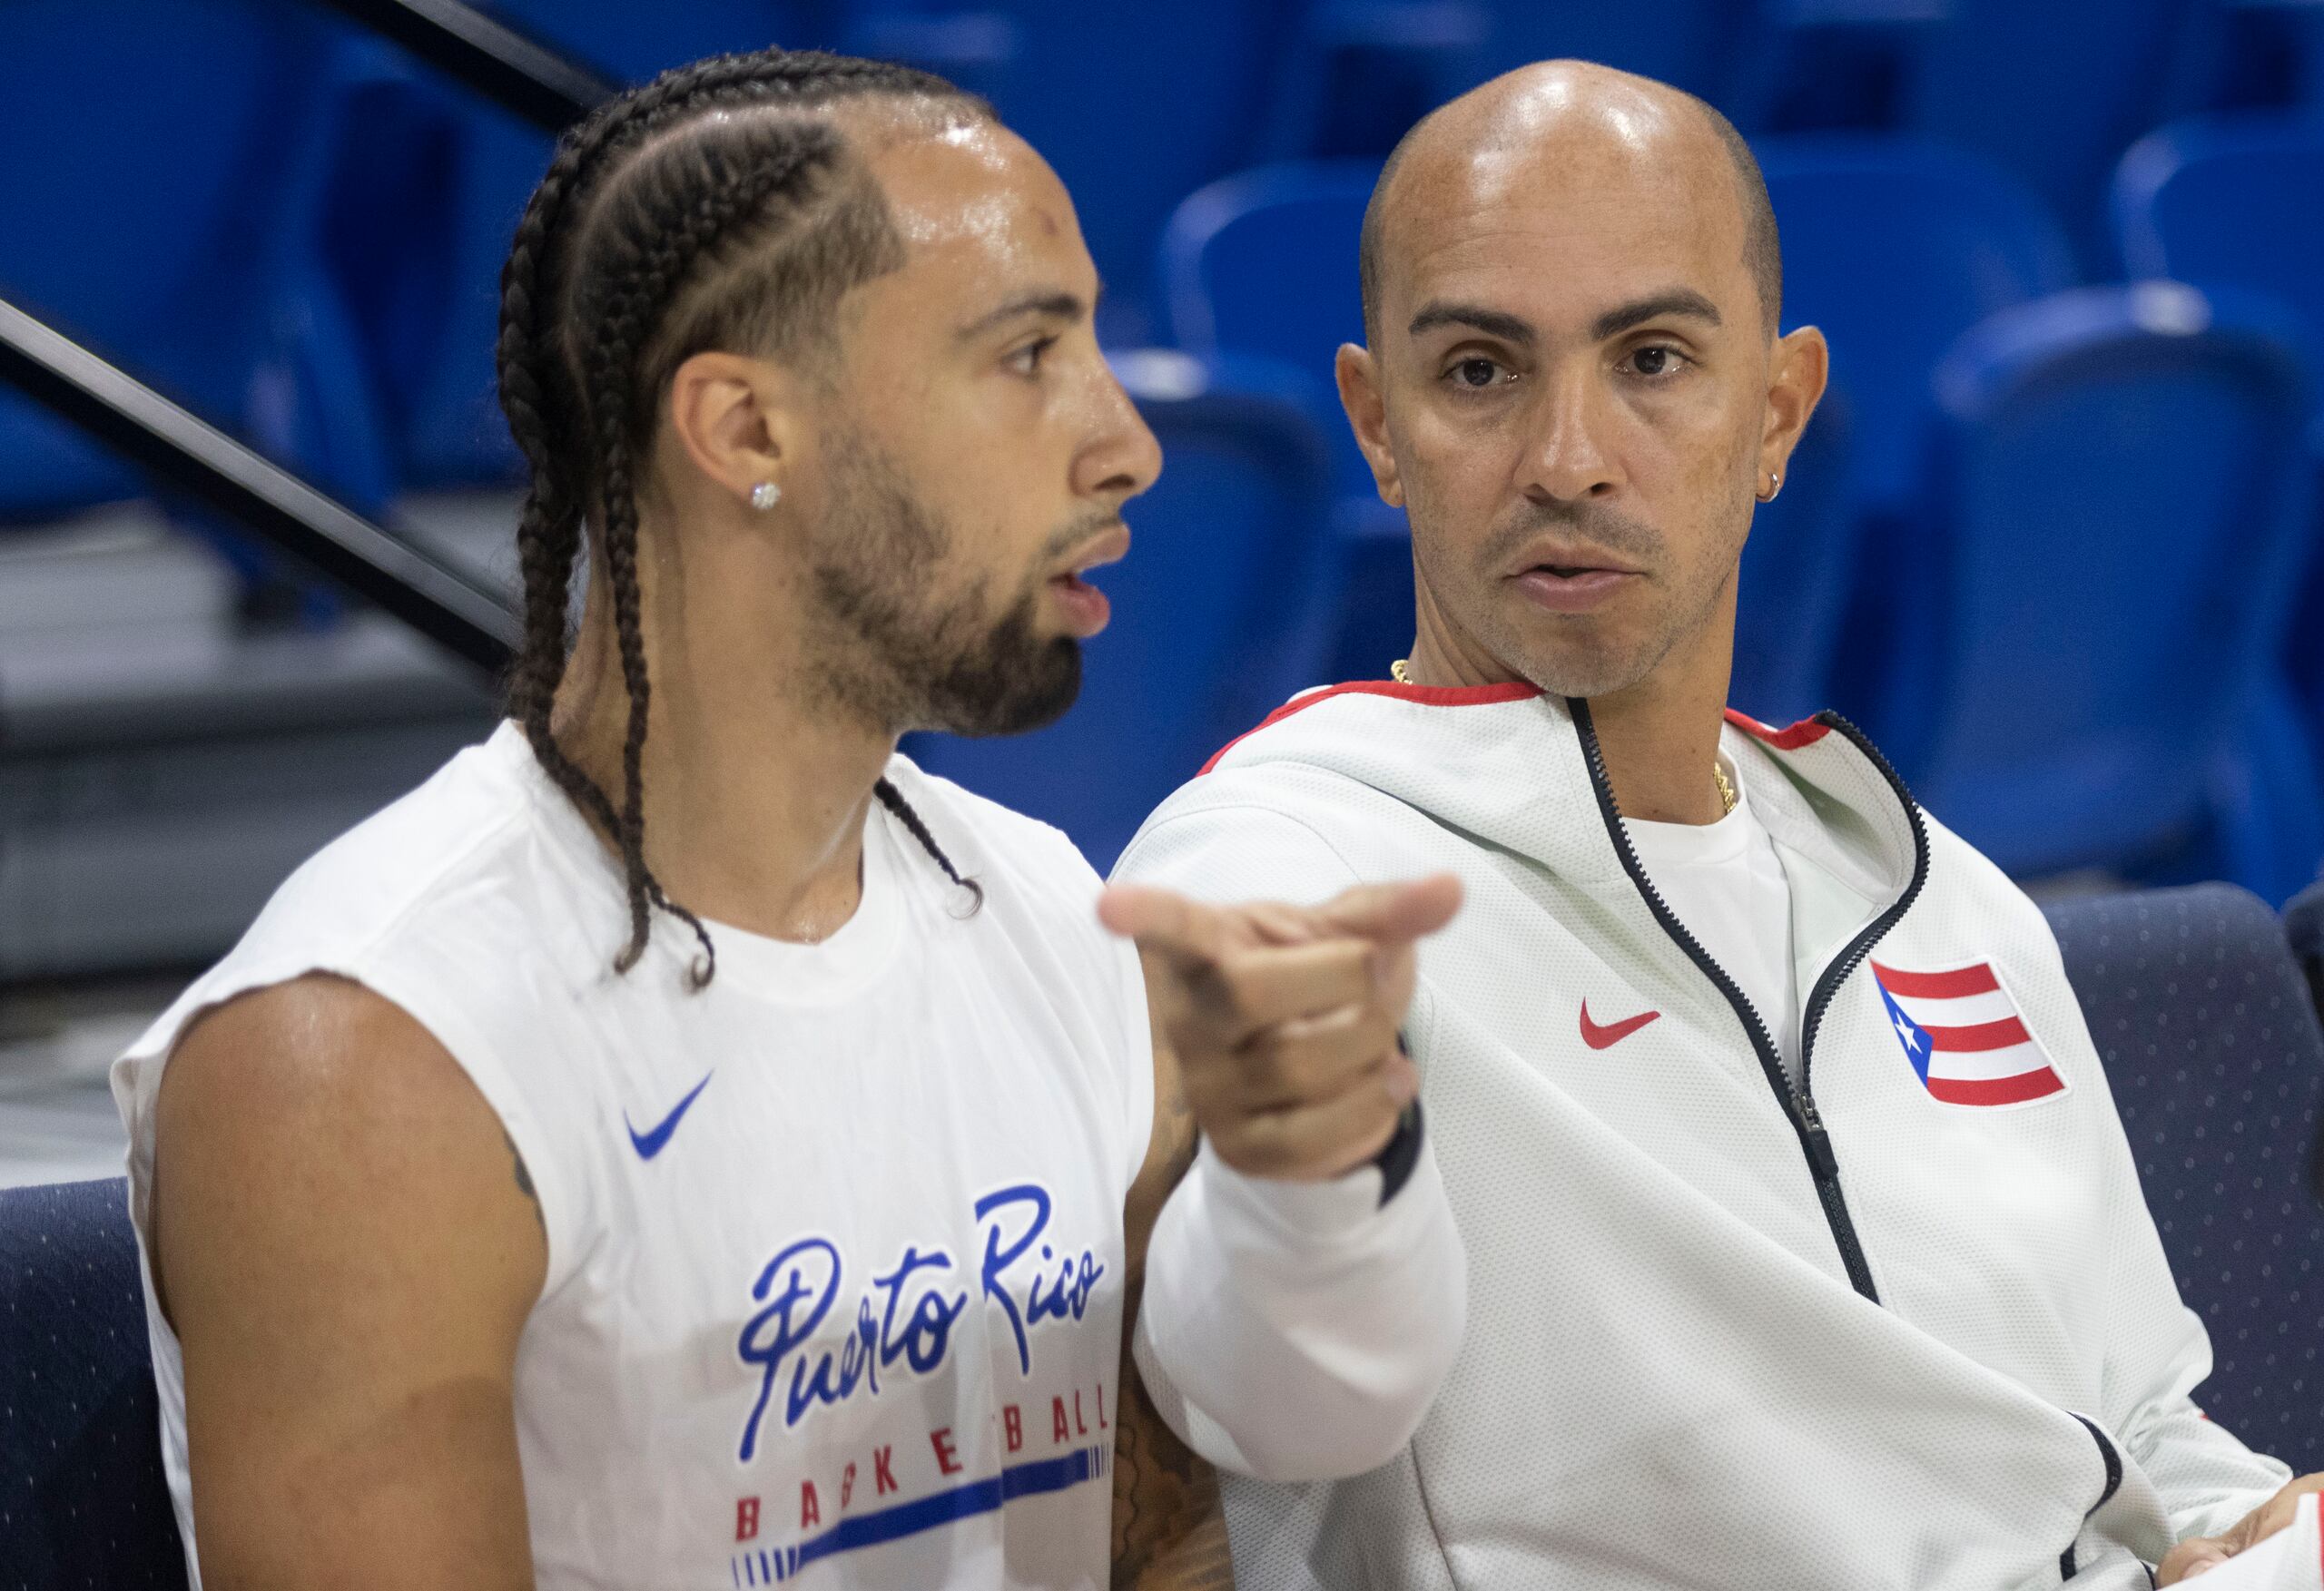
{"x": 342, "y": 1247}
{"x": 315, "y": 1111}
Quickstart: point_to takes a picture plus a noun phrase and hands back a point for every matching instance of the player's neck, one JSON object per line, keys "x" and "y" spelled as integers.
{"x": 754, "y": 790}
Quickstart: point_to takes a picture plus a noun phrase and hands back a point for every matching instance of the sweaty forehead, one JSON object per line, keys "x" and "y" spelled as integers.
{"x": 1577, "y": 196}
{"x": 974, "y": 198}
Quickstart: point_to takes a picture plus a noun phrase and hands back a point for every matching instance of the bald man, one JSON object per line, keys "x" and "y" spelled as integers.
{"x": 1805, "y": 1247}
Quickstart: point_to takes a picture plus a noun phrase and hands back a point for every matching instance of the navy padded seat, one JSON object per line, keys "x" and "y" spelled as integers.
{"x": 2213, "y": 1053}
{"x": 83, "y": 1506}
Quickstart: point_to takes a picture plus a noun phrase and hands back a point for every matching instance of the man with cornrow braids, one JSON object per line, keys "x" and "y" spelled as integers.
{"x": 539, "y": 1195}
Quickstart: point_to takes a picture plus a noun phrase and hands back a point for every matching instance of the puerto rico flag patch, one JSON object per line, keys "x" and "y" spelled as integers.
{"x": 1964, "y": 1036}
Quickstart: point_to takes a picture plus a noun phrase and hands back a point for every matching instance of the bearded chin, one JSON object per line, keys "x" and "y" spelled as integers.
{"x": 1015, "y": 682}
{"x": 904, "y": 645}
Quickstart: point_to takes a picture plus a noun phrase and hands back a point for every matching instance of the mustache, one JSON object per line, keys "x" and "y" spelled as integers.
{"x": 1582, "y": 521}
{"x": 1071, "y": 536}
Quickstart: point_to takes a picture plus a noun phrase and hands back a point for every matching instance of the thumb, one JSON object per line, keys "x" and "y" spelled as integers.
{"x": 1162, "y": 920}
{"x": 1394, "y": 914}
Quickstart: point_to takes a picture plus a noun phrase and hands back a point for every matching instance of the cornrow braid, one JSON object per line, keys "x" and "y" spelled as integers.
{"x": 638, "y": 250}
{"x": 893, "y": 799}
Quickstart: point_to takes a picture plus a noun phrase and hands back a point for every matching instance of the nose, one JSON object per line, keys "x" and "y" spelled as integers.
{"x": 1120, "y": 459}
{"x": 1568, "y": 460}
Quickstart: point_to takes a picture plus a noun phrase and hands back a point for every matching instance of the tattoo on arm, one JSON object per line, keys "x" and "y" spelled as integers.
{"x": 524, "y": 1180}
{"x": 1169, "y": 1533}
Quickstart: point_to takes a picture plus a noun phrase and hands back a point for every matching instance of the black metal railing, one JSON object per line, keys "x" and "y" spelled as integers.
{"x": 199, "y": 459}
{"x": 520, "y": 74}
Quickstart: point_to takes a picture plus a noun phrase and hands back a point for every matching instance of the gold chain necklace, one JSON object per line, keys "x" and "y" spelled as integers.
{"x": 1401, "y": 671}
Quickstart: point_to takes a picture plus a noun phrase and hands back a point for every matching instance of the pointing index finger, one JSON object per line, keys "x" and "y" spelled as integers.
{"x": 1163, "y": 921}
{"x": 1394, "y": 914}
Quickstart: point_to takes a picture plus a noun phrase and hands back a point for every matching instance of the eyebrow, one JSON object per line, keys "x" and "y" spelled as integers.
{"x": 1639, "y": 311}
{"x": 1053, "y": 303}
{"x": 1491, "y": 322}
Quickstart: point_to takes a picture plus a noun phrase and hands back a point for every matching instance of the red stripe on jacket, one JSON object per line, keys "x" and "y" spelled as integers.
{"x": 1427, "y": 695}
{"x": 1939, "y": 985}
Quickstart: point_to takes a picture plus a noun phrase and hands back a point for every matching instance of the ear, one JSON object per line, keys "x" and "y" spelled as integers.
{"x": 736, "y": 420}
{"x": 1795, "y": 380}
{"x": 1367, "y": 416}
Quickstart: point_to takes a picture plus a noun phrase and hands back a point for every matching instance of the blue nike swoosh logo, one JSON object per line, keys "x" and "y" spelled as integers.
{"x": 649, "y": 1144}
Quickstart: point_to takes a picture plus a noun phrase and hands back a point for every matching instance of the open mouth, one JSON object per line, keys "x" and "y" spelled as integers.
{"x": 1087, "y": 610}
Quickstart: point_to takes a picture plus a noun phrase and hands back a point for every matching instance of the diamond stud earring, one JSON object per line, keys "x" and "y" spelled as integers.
{"x": 766, "y": 496}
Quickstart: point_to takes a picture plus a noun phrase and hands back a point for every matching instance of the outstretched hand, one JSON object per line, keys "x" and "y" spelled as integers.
{"x": 1283, "y": 1018}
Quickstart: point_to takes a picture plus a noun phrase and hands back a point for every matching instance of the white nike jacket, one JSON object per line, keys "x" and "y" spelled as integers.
{"x": 1722, "y": 1333}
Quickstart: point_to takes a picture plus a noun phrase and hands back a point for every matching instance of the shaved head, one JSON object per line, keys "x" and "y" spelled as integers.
{"x": 1572, "y": 381}
{"x": 1543, "y": 112}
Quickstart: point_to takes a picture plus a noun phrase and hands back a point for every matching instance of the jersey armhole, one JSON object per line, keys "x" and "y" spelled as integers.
{"x": 137, "y": 1075}
{"x": 553, "y": 1183}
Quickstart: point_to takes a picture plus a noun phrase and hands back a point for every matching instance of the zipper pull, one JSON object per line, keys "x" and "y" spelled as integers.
{"x": 1819, "y": 1152}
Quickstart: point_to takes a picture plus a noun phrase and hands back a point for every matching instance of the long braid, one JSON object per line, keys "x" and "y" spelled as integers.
{"x": 613, "y": 246}
{"x": 893, "y": 799}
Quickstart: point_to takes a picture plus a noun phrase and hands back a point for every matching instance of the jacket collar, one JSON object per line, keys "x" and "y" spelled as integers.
{"x": 1517, "y": 769}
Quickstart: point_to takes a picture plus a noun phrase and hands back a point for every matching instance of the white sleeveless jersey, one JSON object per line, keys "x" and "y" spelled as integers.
{"x": 835, "y": 1245}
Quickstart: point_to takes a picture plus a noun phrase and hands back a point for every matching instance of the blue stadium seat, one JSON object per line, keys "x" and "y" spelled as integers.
{"x": 1354, "y": 74}
{"x": 2231, "y": 201}
{"x": 1690, "y": 43}
{"x": 1826, "y": 66}
{"x": 1136, "y": 106}
{"x": 1363, "y": 608}
{"x": 1199, "y": 648}
{"x": 632, "y": 42}
{"x": 50, "y": 470}
{"x": 1799, "y": 570}
{"x": 83, "y": 1500}
{"x": 2112, "y": 513}
{"x": 1895, "y": 247}
{"x": 980, "y": 51}
{"x": 2249, "y": 55}
{"x": 433, "y": 312}
{"x": 461, "y": 172}
{"x": 1264, "y": 262}
{"x": 162, "y": 176}
{"x": 1358, "y": 73}
{"x": 2055, "y": 91}
{"x": 2228, "y": 202}
{"x": 2215, "y": 1062}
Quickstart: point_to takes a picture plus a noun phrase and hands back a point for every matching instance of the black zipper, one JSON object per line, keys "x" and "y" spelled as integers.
{"x": 1799, "y": 1102}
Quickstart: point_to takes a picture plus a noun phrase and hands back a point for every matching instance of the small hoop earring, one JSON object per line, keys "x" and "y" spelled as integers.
{"x": 1775, "y": 487}
{"x": 766, "y": 496}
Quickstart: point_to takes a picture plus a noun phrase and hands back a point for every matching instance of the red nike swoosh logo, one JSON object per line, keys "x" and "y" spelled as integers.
{"x": 1613, "y": 1033}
